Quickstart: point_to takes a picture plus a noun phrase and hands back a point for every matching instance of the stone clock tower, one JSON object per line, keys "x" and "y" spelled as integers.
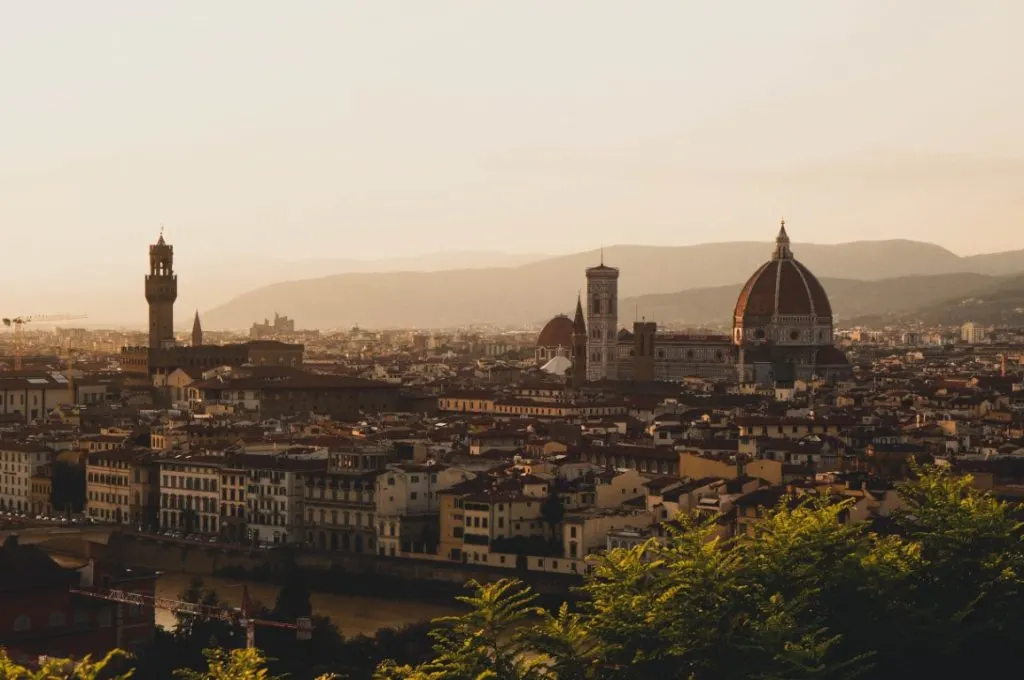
{"x": 602, "y": 322}
{"x": 161, "y": 292}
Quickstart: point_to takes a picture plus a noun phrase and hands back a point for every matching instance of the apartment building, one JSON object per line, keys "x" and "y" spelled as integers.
{"x": 233, "y": 507}
{"x": 340, "y": 509}
{"x": 275, "y": 492}
{"x": 105, "y": 441}
{"x": 121, "y": 486}
{"x": 144, "y": 491}
{"x": 486, "y": 517}
{"x": 408, "y": 505}
{"x": 40, "y": 495}
{"x": 33, "y": 396}
{"x": 189, "y": 493}
{"x": 274, "y": 391}
{"x": 613, "y": 488}
{"x": 19, "y": 462}
{"x": 586, "y": 532}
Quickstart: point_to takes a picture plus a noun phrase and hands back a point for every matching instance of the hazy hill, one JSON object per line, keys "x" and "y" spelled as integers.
{"x": 997, "y": 264}
{"x": 999, "y": 303}
{"x": 206, "y": 279}
{"x": 535, "y": 291}
{"x": 850, "y": 298}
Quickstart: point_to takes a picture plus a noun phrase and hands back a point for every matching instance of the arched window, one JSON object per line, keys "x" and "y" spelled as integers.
{"x": 57, "y": 620}
{"x": 22, "y": 623}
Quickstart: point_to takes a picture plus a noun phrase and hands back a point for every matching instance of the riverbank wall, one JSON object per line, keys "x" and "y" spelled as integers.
{"x": 346, "y": 573}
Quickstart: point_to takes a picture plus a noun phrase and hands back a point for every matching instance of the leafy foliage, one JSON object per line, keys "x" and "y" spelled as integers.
{"x": 293, "y": 596}
{"x": 552, "y": 511}
{"x": 802, "y": 594}
{"x": 63, "y": 669}
{"x": 236, "y": 664}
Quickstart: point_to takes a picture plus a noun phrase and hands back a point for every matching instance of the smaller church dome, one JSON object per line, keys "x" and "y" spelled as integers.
{"x": 556, "y": 333}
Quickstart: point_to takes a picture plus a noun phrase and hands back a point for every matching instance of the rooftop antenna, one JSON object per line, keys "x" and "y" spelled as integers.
{"x": 602, "y": 254}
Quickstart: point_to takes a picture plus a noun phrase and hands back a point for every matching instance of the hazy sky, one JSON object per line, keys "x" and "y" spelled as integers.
{"x": 377, "y": 128}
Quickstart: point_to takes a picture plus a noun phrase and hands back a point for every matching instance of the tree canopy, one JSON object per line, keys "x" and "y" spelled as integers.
{"x": 936, "y": 588}
{"x": 934, "y": 591}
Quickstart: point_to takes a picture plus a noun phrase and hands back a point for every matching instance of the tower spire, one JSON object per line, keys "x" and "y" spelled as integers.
{"x": 197, "y": 331}
{"x": 579, "y": 323}
{"x": 578, "y": 376}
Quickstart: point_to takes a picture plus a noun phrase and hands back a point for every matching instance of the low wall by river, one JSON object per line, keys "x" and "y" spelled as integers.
{"x": 436, "y": 576}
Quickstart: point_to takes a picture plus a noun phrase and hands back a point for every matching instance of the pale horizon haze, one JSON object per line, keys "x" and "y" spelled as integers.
{"x": 383, "y": 129}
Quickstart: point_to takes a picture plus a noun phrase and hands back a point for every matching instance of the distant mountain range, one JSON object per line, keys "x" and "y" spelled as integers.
{"x": 112, "y": 295}
{"x": 999, "y": 302}
{"x": 852, "y": 301}
{"x": 694, "y": 285}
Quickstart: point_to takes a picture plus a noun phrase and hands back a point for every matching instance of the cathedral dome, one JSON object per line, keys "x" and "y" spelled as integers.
{"x": 782, "y": 287}
{"x": 556, "y": 333}
{"x": 783, "y": 302}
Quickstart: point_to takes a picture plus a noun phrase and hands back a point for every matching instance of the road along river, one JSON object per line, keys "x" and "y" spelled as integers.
{"x": 352, "y": 614}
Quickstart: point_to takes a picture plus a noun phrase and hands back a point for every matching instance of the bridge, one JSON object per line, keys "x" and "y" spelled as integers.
{"x": 31, "y": 535}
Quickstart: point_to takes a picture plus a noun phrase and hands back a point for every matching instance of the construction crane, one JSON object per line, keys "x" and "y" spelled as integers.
{"x": 303, "y": 626}
{"x": 17, "y": 326}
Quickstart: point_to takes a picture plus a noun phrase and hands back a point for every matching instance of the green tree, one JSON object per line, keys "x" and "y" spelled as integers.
{"x": 195, "y": 632}
{"x": 64, "y": 669}
{"x": 803, "y": 594}
{"x": 964, "y": 600}
{"x": 481, "y": 644}
{"x": 552, "y": 511}
{"x": 236, "y": 664}
{"x": 293, "y": 597}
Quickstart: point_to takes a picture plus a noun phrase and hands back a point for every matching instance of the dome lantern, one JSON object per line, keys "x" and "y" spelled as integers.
{"x": 782, "y": 251}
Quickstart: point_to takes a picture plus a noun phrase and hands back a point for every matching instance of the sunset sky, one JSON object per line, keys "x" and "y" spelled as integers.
{"x": 375, "y": 129}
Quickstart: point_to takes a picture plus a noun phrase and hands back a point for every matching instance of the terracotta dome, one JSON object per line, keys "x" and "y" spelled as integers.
{"x": 781, "y": 287}
{"x": 556, "y": 333}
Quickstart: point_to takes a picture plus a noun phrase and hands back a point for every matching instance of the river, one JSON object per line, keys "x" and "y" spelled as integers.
{"x": 352, "y": 614}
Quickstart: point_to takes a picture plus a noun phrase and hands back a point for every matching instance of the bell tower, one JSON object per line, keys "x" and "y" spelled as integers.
{"x": 161, "y": 292}
{"x": 602, "y": 322}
